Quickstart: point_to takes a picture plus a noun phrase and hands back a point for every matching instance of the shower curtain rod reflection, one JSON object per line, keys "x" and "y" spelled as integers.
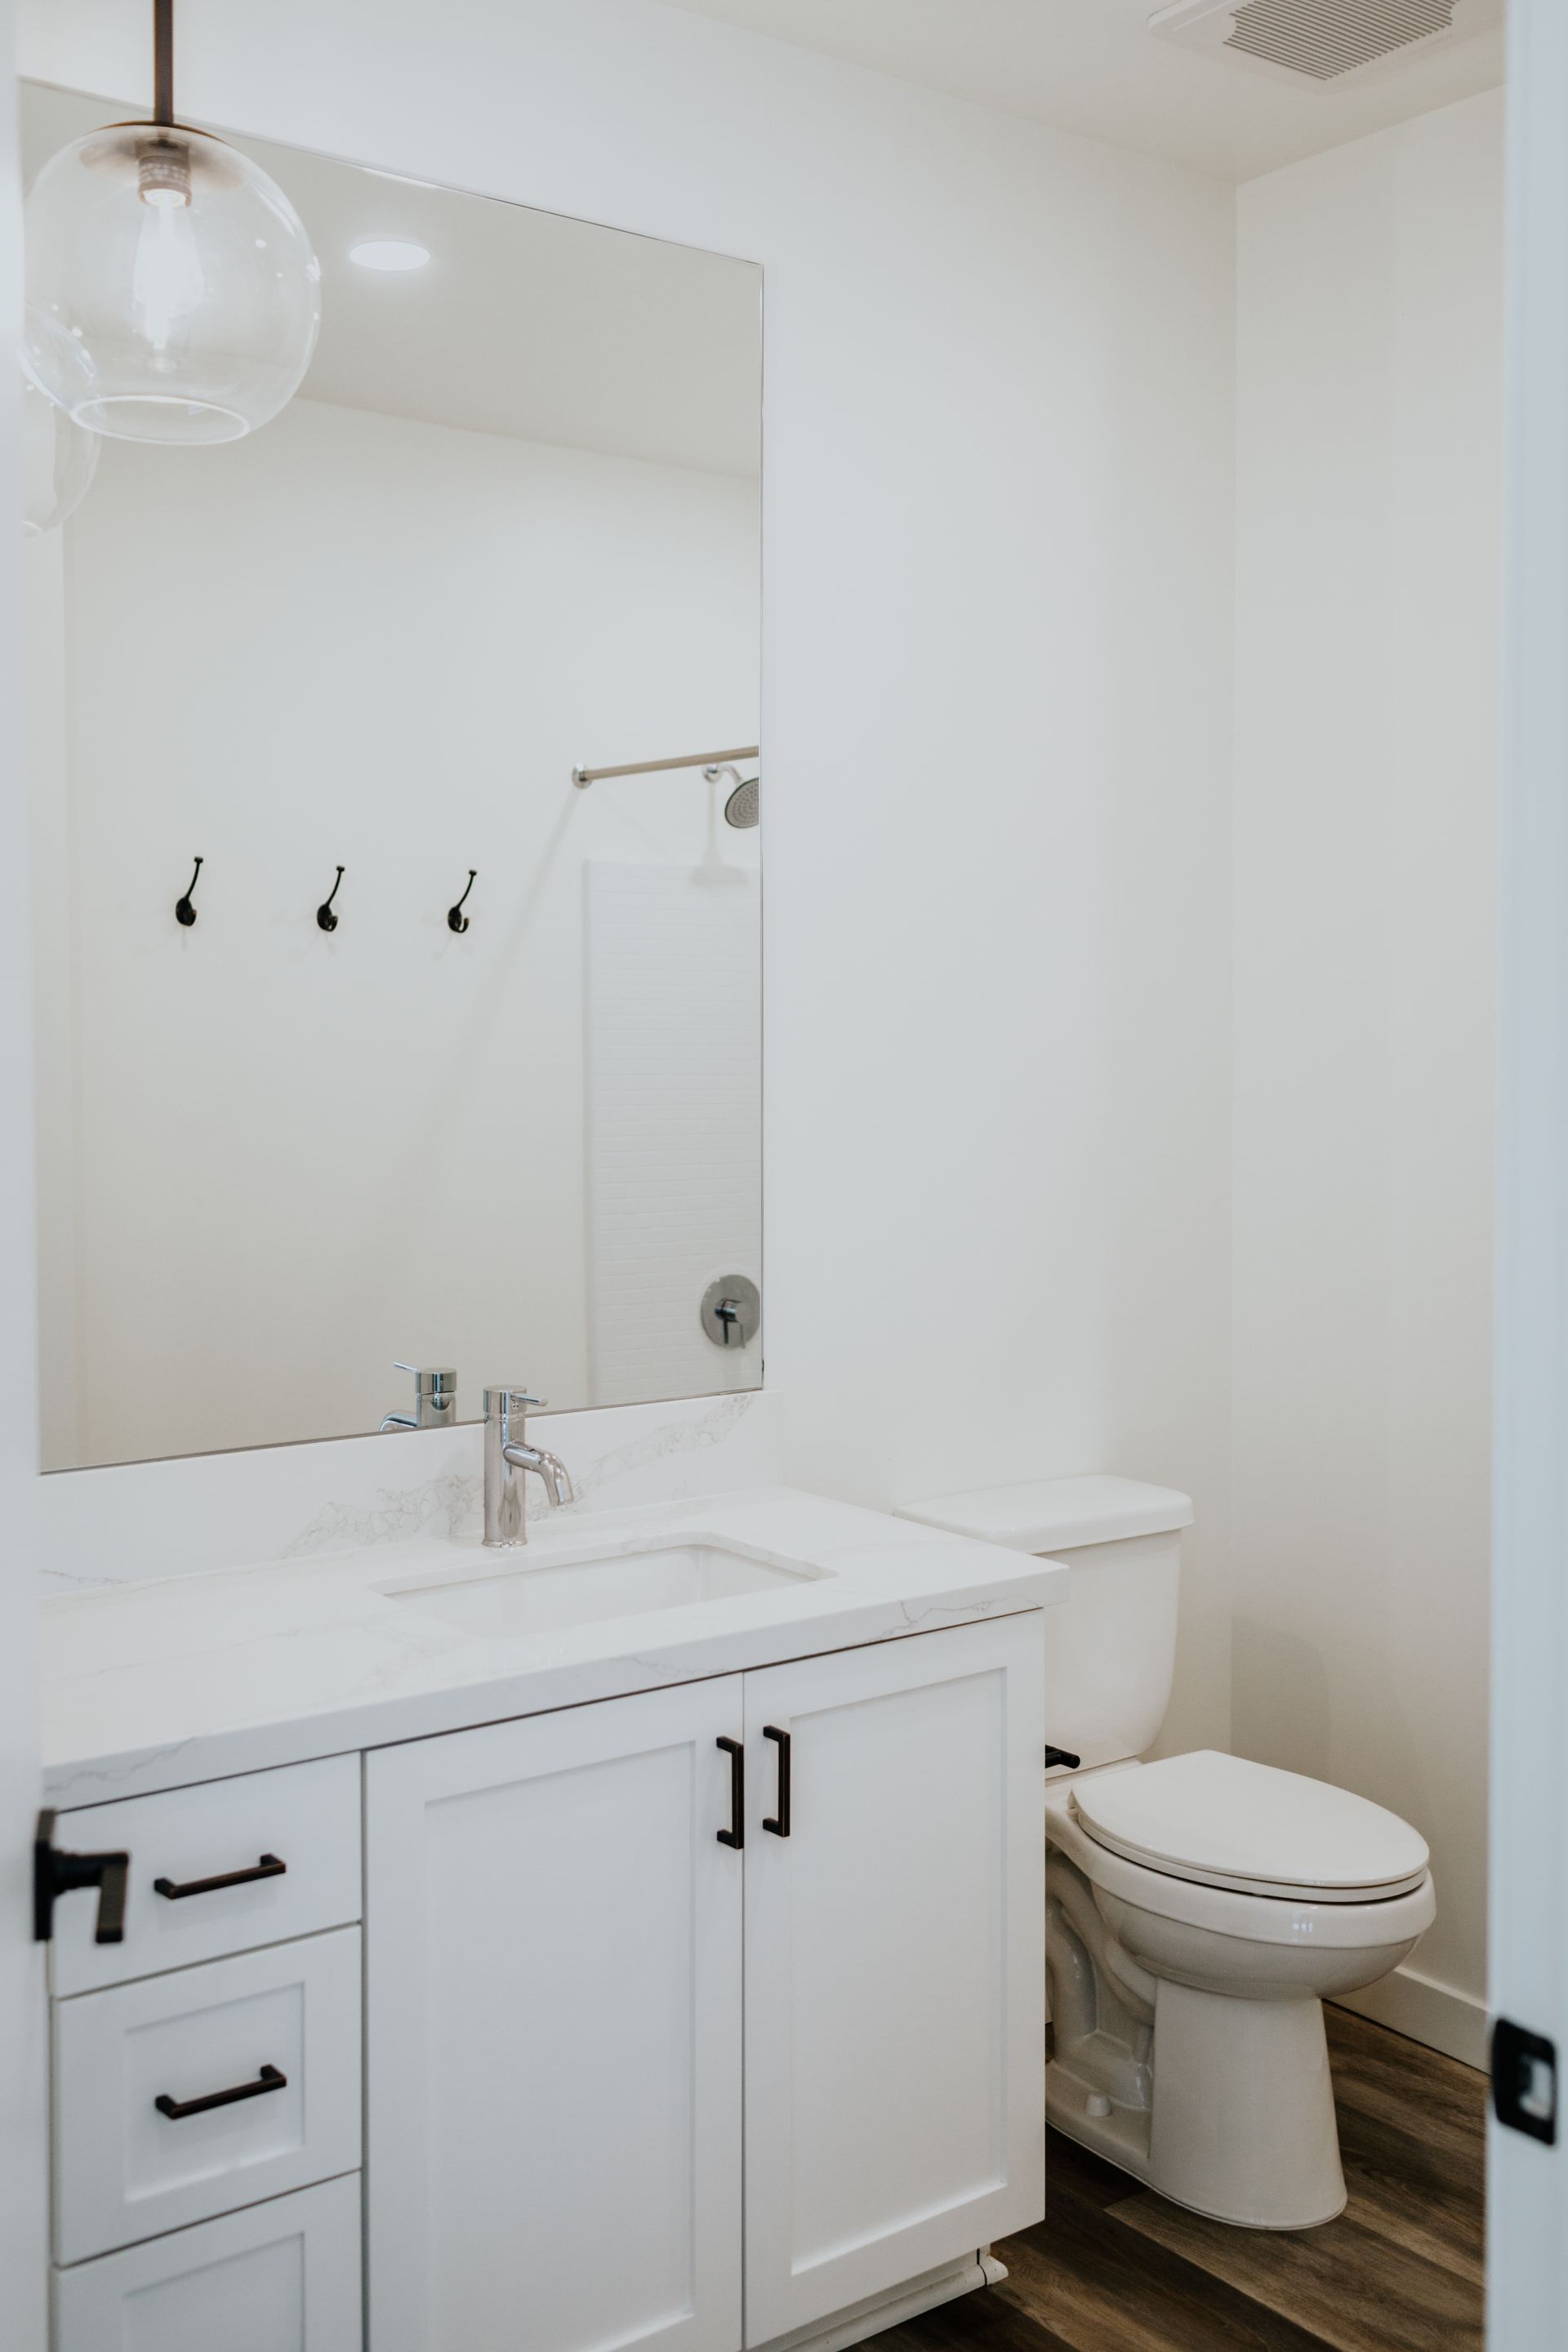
{"x": 584, "y": 777}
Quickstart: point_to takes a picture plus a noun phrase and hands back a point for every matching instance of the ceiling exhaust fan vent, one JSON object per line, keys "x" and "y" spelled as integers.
{"x": 1323, "y": 41}
{"x": 1326, "y": 38}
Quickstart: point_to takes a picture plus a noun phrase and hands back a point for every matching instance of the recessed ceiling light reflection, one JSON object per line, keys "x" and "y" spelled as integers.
{"x": 389, "y": 253}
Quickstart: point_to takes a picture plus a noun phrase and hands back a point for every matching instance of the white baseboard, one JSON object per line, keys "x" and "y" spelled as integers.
{"x": 1419, "y": 2007}
{"x": 859, "y": 2320}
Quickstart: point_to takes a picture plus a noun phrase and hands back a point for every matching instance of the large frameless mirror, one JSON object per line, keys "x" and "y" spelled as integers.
{"x": 397, "y": 1004}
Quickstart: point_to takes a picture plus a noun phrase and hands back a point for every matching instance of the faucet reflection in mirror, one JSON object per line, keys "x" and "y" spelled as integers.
{"x": 434, "y": 1399}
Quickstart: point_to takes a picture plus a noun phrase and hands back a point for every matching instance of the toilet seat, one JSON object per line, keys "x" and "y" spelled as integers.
{"x": 1226, "y": 1822}
{"x": 1247, "y": 1916}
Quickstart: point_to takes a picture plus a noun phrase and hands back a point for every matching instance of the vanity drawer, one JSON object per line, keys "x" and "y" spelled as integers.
{"x": 126, "y": 2167}
{"x": 282, "y": 2277}
{"x": 305, "y": 1816}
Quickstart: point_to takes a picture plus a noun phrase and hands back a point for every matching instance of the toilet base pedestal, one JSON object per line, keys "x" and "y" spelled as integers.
{"x": 1241, "y": 2120}
{"x": 1243, "y": 2124}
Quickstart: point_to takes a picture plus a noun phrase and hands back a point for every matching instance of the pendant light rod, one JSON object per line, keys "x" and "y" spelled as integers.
{"x": 163, "y": 61}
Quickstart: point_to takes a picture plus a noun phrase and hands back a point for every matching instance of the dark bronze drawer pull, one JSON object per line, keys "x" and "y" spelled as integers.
{"x": 267, "y": 1867}
{"x": 269, "y": 2079}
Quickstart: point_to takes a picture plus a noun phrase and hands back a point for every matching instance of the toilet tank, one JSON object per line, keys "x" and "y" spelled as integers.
{"x": 1110, "y": 1651}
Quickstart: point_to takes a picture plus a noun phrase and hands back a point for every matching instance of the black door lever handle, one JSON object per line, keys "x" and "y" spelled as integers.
{"x": 56, "y": 1874}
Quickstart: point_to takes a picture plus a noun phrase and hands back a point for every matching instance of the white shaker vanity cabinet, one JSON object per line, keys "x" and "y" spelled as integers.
{"x": 798, "y": 1910}
{"x": 679, "y": 1971}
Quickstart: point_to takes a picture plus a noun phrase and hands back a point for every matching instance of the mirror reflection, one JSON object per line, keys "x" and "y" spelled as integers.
{"x": 396, "y": 833}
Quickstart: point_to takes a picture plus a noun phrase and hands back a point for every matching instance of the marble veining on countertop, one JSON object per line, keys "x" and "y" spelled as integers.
{"x": 155, "y": 1685}
{"x": 143, "y": 1522}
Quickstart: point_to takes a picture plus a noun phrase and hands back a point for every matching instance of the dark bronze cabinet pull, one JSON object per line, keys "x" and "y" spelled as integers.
{"x": 267, "y": 1867}
{"x": 779, "y": 1822}
{"x": 736, "y": 1832}
{"x": 269, "y": 2079}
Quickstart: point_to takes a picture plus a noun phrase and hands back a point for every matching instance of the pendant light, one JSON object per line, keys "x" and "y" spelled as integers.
{"x": 172, "y": 295}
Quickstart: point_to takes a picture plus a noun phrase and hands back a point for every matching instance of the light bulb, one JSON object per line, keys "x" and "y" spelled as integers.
{"x": 180, "y": 275}
{"x": 167, "y": 283}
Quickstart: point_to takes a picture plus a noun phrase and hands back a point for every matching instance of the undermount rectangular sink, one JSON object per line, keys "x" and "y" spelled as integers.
{"x": 511, "y": 1595}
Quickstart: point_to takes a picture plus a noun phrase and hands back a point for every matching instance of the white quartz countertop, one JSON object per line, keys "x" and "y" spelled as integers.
{"x": 239, "y": 1669}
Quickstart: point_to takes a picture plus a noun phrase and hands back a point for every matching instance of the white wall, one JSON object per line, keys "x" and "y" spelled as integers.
{"x": 1370, "y": 497}
{"x": 998, "y": 539}
{"x": 278, "y": 1159}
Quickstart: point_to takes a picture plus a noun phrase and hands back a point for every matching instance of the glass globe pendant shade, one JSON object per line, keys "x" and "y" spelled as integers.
{"x": 182, "y": 274}
{"x": 61, "y": 458}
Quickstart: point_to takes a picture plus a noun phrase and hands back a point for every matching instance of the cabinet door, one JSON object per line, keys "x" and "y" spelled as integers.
{"x": 279, "y": 2277}
{"x": 895, "y": 1967}
{"x": 553, "y": 2032}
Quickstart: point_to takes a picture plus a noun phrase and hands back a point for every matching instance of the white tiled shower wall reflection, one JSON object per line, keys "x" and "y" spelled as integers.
{"x": 672, "y": 993}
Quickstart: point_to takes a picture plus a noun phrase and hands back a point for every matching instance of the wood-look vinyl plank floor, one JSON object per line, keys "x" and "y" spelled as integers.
{"x": 1113, "y": 2268}
{"x": 1345, "y": 2284}
{"x": 1406, "y": 2192}
{"x": 1085, "y": 2276}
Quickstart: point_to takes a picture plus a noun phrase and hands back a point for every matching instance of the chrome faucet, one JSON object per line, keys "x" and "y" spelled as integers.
{"x": 508, "y": 1459}
{"x": 434, "y": 1399}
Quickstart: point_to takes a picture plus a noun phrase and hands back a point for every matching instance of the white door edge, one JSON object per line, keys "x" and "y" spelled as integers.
{"x": 1527, "y": 2248}
{"x": 23, "y": 2078}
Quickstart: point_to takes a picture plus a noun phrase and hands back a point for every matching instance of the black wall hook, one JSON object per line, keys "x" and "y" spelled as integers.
{"x": 456, "y": 918}
{"x": 325, "y": 918}
{"x": 184, "y": 911}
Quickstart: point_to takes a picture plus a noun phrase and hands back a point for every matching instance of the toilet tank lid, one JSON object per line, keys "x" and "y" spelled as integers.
{"x": 1047, "y": 1515}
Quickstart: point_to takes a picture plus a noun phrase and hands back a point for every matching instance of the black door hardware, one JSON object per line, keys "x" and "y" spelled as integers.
{"x": 1524, "y": 2080}
{"x": 269, "y": 2079}
{"x": 56, "y": 1874}
{"x": 779, "y": 1822}
{"x": 1064, "y": 1757}
{"x": 325, "y": 918}
{"x": 267, "y": 1867}
{"x": 185, "y": 913}
{"x": 456, "y": 918}
{"x": 736, "y": 1832}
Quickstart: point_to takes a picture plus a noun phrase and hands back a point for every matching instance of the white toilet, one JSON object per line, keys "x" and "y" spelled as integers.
{"x": 1198, "y": 1909}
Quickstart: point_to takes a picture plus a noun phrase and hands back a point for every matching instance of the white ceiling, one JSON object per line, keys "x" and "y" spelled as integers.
{"x": 1093, "y": 66}
{"x": 522, "y": 322}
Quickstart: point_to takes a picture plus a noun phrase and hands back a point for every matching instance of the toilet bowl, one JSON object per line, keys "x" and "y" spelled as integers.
{"x": 1199, "y": 1909}
{"x": 1186, "y": 1994}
